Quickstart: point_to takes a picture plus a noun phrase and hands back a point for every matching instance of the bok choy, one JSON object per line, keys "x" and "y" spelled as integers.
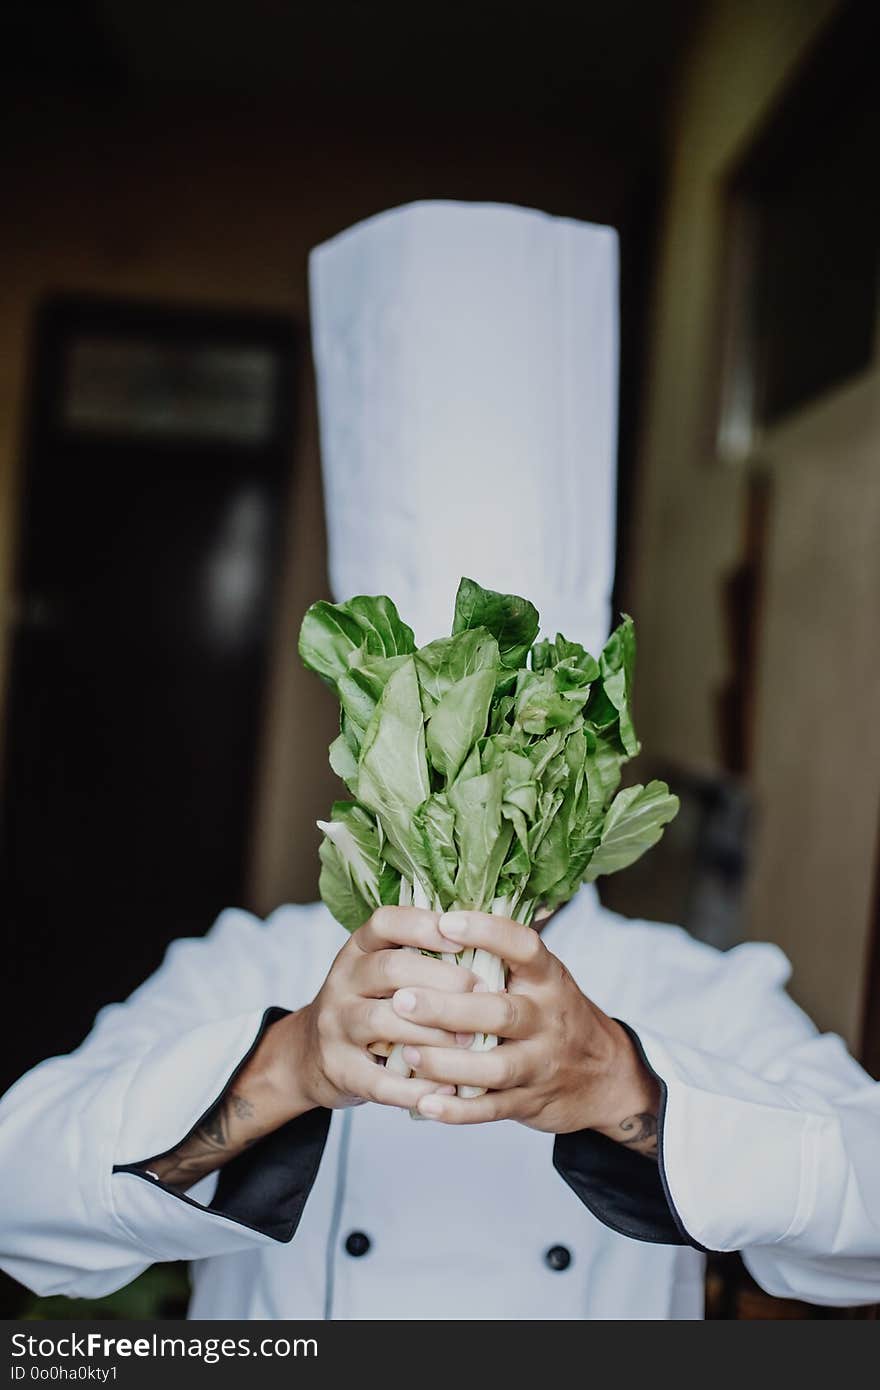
{"x": 483, "y": 769}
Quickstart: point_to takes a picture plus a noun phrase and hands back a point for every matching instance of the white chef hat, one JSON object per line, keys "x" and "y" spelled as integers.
{"x": 466, "y": 359}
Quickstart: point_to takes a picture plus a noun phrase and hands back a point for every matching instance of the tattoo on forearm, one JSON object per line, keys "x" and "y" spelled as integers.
{"x": 218, "y": 1139}
{"x": 640, "y": 1133}
{"x": 241, "y": 1108}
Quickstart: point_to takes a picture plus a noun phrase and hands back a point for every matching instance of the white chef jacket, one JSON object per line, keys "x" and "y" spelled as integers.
{"x": 769, "y": 1139}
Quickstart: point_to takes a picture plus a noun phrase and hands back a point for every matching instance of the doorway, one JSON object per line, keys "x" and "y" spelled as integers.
{"x": 157, "y": 463}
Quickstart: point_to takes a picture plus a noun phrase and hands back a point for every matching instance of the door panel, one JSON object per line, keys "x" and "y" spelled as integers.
{"x": 145, "y": 599}
{"x": 817, "y": 767}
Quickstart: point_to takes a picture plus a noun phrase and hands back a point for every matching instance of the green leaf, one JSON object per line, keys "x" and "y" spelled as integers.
{"x": 550, "y": 860}
{"x": 384, "y": 632}
{"x": 509, "y": 885}
{"x": 517, "y": 862}
{"x": 500, "y": 717}
{"x": 570, "y": 655}
{"x": 551, "y": 852}
{"x": 582, "y": 824}
{"x": 543, "y": 750}
{"x": 350, "y": 733}
{"x": 333, "y": 633}
{"x": 494, "y": 746}
{"x": 581, "y": 846}
{"x": 459, "y": 720}
{"x": 543, "y": 655}
{"x": 358, "y": 696}
{"x": 617, "y": 665}
{"x": 393, "y": 769}
{"x": 338, "y": 891}
{"x": 602, "y": 714}
{"x": 552, "y": 855}
{"x": 603, "y": 772}
{"x": 576, "y": 655}
{"x": 327, "y": 638}
{"x": 441, "y": 664}
{"x": 482, "y": 838}
{"x": 344, "y": 763}
{"x": 568, "y": 675}
{"x": 360, "y": 688}
{"x": 472, "y": 765}
{"x": 352, "y": 868}
{"x": 389, "y": 883}
{"x": 549, "y": 802}
{"x": 520, "y": 789}
{"x": 473, "y": 774}
{"x": 634, "y": 823}
{"x": 513, "y": 621}
{"x": 541, "y": 706}
{"x": 434, "y": 826}
{"x": 519, "y": 797}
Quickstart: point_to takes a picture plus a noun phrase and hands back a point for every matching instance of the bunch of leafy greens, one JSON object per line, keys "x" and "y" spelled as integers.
{"x": 483, "y": 769}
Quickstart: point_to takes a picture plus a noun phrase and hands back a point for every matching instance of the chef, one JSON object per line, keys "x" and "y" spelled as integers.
{"x": 652, "y": 1099}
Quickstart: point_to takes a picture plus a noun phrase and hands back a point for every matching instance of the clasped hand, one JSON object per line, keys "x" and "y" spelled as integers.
{"x": 562, "y": 1065}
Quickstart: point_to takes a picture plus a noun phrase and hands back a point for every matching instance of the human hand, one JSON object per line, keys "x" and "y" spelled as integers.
{"x": 328, "y": 1045}
{"x": 564, "y": 1064}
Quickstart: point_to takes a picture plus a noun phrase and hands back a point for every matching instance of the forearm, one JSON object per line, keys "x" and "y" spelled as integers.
{"x": 633, "y": 1103}
{"x": 265, "y": 1094}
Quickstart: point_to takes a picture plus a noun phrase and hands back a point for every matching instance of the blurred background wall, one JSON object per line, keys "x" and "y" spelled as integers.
{"x": 181, "y": 160}
{"x": 757, "y": 519}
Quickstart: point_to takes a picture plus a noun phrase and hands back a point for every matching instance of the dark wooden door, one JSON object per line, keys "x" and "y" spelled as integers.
{"x": 157, "y": 464}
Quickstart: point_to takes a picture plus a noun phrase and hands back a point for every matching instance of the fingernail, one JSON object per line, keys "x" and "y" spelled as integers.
{"x": 464, "y": 1039}
{"x": 413, "y": 1056}
{"x": 431, "y": 1106}
{"x": 404, "y": 1001}
{"x": 455, "y": 925}
{"x": 445, "y": 1091}
{"x": 481, "y": 987}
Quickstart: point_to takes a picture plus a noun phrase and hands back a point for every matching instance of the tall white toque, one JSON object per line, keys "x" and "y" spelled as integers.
{"x": 467, "y": 358}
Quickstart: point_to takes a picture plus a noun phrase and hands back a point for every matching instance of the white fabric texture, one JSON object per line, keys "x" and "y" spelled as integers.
{"x": 466, "y": 359}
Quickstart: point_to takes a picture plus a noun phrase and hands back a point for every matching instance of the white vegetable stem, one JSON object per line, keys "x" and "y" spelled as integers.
{"x": 493, "y": 972}
{"x": 411, "y": 895}
{"x": 490, "y": 969}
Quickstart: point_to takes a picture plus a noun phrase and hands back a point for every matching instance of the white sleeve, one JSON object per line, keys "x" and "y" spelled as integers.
{"x": 147, "y": 1073}
{"x": 770, "y": 1137}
